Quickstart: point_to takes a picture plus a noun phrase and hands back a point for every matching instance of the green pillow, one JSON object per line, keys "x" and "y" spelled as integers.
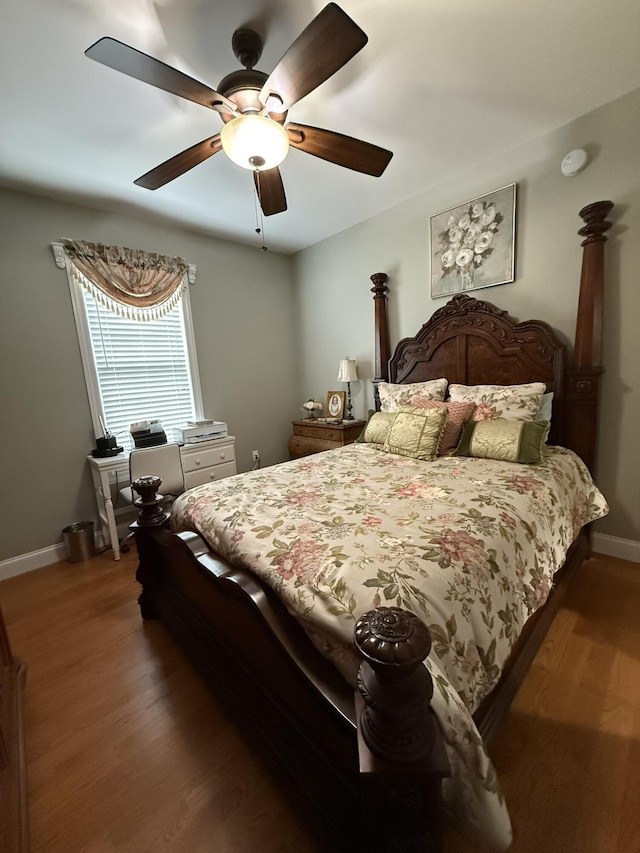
{"x": 377, "y": 427}
{"x": 508, "y": 441}
{"x": 415, "y": 431}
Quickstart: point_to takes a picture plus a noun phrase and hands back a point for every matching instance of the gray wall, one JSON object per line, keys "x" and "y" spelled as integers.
{"x": 271, "y": 330}
{"x": 243, "y": 307}
{"x": 336, "y": 310}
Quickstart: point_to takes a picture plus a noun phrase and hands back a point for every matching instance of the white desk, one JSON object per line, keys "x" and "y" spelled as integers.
{"x": 203, "y": 462}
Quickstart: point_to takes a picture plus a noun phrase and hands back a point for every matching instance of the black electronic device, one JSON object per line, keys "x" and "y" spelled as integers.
{"x": 148, "y": 434}
{"x": 98, "y": 453}
{"x": 106, "y": 446}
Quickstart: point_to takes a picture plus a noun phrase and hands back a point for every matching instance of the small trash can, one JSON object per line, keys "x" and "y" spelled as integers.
{"x": 79, "y": 541}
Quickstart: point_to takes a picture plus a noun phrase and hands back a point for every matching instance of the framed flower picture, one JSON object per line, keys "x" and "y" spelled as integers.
{"x": 473, "y": 244}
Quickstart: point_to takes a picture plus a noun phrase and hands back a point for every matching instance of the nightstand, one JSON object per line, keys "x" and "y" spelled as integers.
{"x": 312, "y": 436}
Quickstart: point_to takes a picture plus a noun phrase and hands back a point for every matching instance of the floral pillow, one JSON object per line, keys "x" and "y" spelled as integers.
{"x": 415, "y": 431}
{"x": 457, "y": 416}
{"x": 394, "y": 396}
{"x": 508, "y": 402}
{"x": 508, "y": 441}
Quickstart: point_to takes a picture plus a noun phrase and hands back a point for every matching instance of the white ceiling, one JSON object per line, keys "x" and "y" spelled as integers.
{"x": 444, "y": 84}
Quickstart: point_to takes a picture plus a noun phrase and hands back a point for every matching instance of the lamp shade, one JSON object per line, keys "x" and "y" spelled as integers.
{"x": 255, "y": 142}
{"x": 348, "y": 371}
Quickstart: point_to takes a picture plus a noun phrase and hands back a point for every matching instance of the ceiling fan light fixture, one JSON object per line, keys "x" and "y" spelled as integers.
{"x": 255, "y": 142}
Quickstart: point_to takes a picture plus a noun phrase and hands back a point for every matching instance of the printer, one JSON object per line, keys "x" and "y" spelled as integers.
{"x": 195, "y": 431}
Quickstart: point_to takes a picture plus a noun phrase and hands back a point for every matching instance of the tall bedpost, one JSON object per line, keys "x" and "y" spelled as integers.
{"x": 401, "y": 752}
{"x": 151, "y": 517}
{"x": 584, "y": 375}
{"x": 382, "y": 348}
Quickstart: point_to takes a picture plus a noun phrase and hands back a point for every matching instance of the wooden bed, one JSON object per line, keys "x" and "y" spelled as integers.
{"x": 350, "y": 770}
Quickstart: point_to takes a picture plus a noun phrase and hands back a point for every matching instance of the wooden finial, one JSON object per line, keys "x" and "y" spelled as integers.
{"x": 594, "y": 216}
{"x": 396, "y": 724}
{"x": 150, "y": 503}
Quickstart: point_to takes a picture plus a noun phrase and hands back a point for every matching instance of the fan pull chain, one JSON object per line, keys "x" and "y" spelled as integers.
{"x": 259, "y": 218}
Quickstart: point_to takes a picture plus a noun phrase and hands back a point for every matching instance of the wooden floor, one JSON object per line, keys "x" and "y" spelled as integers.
{"x": 128, "y": 751}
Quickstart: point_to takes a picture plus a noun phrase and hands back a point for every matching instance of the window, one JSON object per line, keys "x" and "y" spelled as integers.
{"x": 136, "y": 370}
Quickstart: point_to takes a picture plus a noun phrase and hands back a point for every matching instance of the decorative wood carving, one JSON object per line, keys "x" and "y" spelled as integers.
{"x": 151, "y": 516}
{"x": 150, "y": 502}
{"x": 393, "y": 643}
{"x": 475, "y": 343}
{"x": 402, "y": 756}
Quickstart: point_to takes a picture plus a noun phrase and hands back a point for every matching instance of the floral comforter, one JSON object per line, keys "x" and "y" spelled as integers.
{"x": 469, "y": 545}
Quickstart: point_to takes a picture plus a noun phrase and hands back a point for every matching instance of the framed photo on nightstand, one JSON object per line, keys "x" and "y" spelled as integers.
{"x": 335, "y": 404}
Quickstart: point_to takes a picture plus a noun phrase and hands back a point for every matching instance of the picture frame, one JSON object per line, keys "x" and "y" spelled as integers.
{"x": 335, "y": 404}
{"x": 472, "y": 245}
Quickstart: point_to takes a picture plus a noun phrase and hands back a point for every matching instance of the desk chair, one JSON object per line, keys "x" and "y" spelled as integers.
{"x": 162, "y": 461}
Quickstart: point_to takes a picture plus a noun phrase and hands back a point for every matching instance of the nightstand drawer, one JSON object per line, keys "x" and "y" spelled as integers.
{"x": 209, "y": 474}
{"x": 324, "y": 432}
{"x": 205, "y": 457}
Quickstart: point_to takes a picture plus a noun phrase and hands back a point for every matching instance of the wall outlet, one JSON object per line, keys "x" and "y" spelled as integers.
{"x": 255, "y": 455}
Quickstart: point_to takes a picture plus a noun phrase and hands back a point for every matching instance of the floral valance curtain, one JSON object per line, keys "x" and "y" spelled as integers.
{"x": 132, "y": 283}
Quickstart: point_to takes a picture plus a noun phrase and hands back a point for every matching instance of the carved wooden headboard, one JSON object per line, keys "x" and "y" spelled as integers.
{"x": 474, "y": 342}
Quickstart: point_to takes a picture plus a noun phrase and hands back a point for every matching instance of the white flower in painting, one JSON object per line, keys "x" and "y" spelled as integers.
{"x": 448, "y": 259}
{"x": 451, "y": 221}
{"x": 483, "y": 242}
{"x": 489, "y": 215}
{"x": 455, "y": 234}
{"x": 472, "y": 234}
{"x": 464, "y": 258}
{"x": 477, "y": 209}
{"x": 465, "y": 221}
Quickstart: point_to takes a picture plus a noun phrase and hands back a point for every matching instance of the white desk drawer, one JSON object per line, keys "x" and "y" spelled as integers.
{"x": 204, "y": 457}
{"x": 209, "y": 474}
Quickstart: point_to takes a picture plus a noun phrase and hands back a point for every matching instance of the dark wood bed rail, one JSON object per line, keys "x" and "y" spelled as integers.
{"x": 400, "y": 752}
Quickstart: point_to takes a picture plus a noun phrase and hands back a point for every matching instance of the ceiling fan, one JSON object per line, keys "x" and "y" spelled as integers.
{"x": 254, "y": 105}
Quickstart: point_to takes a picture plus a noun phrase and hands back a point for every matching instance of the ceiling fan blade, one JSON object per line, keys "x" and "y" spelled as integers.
{"x": 339, "y": 149}
{"x": 328, "y": 43}
{"x": 119, "y": 56}
{"x": 180, "y": 164}
{"x": 270, "y": 191}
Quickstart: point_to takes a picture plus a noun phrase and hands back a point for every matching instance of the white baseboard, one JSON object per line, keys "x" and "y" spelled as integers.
{"x": 613, "y": 546}
{"x": 52, "y": 554}
{"x": 35, "y": 560}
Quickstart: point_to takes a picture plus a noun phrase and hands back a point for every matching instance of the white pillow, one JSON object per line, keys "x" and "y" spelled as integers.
{"x": 394, "y": 396}
{"x": 508, "y": 402}
{"x": 545, "y": 409}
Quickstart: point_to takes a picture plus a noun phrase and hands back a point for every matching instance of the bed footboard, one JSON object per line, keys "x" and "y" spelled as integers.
{"x": 401, "y": 752}
{"x": 367, "y": 766}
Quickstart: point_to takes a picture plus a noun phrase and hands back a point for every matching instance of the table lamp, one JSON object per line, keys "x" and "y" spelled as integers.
{"x": 348, "y": 373}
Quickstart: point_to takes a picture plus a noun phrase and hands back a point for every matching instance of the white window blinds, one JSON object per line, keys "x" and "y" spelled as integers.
{"x": 144, "y": 370}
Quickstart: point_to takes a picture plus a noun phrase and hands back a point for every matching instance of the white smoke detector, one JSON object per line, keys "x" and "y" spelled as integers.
{"x": 574, "y": 162}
